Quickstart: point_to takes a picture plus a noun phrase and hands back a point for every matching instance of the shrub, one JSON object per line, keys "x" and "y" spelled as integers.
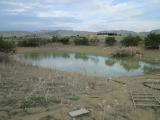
{"x": 35, "y": 101}
{"x": 55, "y": 39}
{"x": 152, "y": 41}
{"x": 131, "y": 40}
{"x": 6, "y": 46}
{"x": 32, "y": 42}
{"x": 81, "y": 41}
{"x": 64, "y": 40}
{"x": 110, "y": 41}
{"x": 126, "y": 52}
{"x": 93, "y": 40}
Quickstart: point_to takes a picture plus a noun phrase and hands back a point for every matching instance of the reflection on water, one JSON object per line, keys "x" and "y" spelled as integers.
{"x": 89, "y": 64}
{"x": 127, "y": 63}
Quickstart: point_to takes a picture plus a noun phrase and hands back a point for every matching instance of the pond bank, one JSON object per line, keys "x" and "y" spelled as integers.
{"x": 34, "y": 93}
{"x": 96, "y": 50}
{"x": 92, "y": 65}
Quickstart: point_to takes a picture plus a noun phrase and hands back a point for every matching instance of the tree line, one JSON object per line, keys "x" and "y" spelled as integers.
{"x": 152, "y": 41}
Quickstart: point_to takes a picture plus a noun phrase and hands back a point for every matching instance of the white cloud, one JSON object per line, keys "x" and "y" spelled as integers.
{"x": 53, "y": 14}
{"x": 92, "y": 14}
{"x": 134, "y": 25}
{"x": 14, "y": 11}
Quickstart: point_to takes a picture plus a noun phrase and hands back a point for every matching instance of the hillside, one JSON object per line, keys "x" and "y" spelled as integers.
{"x": 14, "y": 33}
{"x": 122, "y": 32}
{"x": 62, "y": 33}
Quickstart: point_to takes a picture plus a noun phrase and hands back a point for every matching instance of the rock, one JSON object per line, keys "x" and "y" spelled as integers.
{"x": 79, "y": 112}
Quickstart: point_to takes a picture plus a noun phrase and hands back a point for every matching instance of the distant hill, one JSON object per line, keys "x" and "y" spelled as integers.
{"x": 14, "y": 33}
{"x": 122, "y": 32}
{"x": 126, "y": 32}
{"x": 156, "y": 31}
{"x": 62, "y": 33}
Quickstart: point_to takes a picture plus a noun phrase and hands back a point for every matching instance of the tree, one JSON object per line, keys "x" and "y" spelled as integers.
{"x": 81, "y": 41}
{"x": 6, "y": 46}
{"x": 55, "y": 39}
{"x": 131, "y": 40}
{"x": 93, "y": 40}
{"x": 110, "y": 41}
{"x": 1, "y": 38}
{"x": 33, "y": 42}
{"x": 152, "y": 41}
{"x": 64, "y": 40}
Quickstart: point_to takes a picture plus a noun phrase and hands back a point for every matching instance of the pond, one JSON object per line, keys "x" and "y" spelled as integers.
{"x": 89, "y": 64}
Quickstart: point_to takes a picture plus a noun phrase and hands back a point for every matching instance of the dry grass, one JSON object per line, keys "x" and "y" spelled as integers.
{"x": 4, "y": 57}
{"x": 96, "y": 50}
{"x": 127, "y": 52}
{"x": 33, "y": 93}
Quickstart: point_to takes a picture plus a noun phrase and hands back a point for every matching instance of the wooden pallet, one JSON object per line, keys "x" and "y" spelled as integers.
{"x": 152, "y": 85}
{"x": 144, "y": 99}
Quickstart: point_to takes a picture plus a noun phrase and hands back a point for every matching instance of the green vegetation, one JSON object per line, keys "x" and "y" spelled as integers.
{"x": 6, "y": 46}
{"x": 110, "y": 41}
{"x": 93, "y": 40}
{"x": 152, "y": 41}
{"x": 64, "y": 40}
{"x": 33, "y": 42}
{"x": 55, "y": 39}
{"x": 81, "y": 41}
{"x": 131, "y": 40}
{"x": 37, "y": 101}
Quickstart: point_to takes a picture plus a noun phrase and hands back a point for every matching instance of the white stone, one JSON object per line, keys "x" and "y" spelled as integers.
{"x": 79, "y": 112}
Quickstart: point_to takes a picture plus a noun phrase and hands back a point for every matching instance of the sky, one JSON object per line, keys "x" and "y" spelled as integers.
{"x": 84, "y": 15}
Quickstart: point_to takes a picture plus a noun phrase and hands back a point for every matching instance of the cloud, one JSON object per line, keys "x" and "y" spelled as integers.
{"x": 134, "y": 25}
{"x": 93, "y": 15}
{"x": 54, "y": 14}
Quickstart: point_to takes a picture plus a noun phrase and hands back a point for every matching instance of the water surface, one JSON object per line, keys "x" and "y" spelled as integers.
{"x": 89, "y": 64}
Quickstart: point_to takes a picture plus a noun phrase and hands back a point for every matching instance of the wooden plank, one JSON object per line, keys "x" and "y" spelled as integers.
{"x": 143, "y": 96}
{"x": 146, "y": 100}
{"x": 132, "y": 99}
{"x": 79, "y": 112}
{"x": 150, "y": 105}
{"x": 157, "y": 99}
{"x": 141, "y": 93}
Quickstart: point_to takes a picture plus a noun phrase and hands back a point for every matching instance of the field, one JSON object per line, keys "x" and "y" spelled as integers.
{"x": 32, "y": 93}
